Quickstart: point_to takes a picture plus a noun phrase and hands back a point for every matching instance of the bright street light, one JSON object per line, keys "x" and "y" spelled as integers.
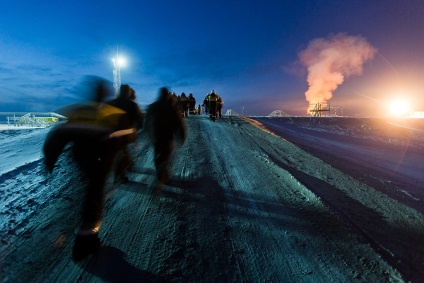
{"x": 118, "y": 62}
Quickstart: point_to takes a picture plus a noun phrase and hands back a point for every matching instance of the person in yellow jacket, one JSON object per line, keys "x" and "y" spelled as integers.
{"x": 93, "y": 130}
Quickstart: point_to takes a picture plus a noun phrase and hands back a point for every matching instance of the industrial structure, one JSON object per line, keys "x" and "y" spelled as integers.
{"x": 231, "y": 112}
{"x": 33, "y": 119}
{"x": 278, "y": 113}
{"x": 324, "y": 109}
{"x": 319, "y": 109}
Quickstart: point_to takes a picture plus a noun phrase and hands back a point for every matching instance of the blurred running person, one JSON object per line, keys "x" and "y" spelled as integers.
{"x": 184, "y": 104}
{"x": 132, "y": 120}
{"x": 164, "y": 124}
{"x": 92, "y": 130}
{"x": 192, "y": 104}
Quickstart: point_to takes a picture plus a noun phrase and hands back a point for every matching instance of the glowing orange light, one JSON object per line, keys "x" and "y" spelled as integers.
{"x": 399, "y": 108}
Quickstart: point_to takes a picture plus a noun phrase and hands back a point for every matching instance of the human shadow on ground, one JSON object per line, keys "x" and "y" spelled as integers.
{"x": 369, "y": 224}
{"x": 110, "y": 265}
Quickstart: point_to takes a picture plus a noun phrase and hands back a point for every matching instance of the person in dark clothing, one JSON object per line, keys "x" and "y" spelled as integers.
{"x": 92, "y": 130}
{"x": 213, "y": 105}
{"x": 192, "y": 104}
{"x": 220, "y": 104}
{"x": 184, "y": 104}
{"x": 206, "y": 103}
{"x": 131, "y": 121}
{"x": 178, "y": 102}
{"x": 164, "y": 124}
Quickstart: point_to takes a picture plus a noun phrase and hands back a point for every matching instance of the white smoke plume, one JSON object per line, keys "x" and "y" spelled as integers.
{"x": 330, "y": 60}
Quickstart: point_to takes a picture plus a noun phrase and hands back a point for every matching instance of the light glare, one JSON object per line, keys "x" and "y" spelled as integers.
{"x": 120, "y": 61}
{"x": 399, "y": 108}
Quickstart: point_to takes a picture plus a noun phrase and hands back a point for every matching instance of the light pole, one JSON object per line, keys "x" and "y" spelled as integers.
{"x": 118, "y": 62}
{"x": 242, "y": 110}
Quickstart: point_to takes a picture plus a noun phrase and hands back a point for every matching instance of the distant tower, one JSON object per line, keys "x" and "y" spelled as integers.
{"x": 116, "y": 72}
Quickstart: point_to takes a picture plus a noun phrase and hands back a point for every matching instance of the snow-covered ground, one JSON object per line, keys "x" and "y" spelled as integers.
{"x": 19, "y": 146}
{"x": 270, "y": 199}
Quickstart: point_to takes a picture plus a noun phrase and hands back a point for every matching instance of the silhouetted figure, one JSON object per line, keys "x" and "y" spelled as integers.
{"x": 178, "y": 102}
{"x": 132, "y": 121}
{"x": 164, "y": 124}
{"x": 92, "y": 130}
{"x": 219, "y": 105}
{"x": 192, "y": 104}
{"x": 184, "y": 104}
{"x": 213, "y": 105}
{"x": 206, "y": 103}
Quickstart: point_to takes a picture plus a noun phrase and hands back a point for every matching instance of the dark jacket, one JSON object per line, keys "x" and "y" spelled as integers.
{"x": 133, "y": 117}
{"x": 163, "y": 120}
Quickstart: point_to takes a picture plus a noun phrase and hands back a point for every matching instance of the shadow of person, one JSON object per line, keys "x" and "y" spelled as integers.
{"x": 110, "y": 265}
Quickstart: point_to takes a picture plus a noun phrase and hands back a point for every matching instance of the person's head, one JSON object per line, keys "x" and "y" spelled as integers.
{"x": 101, "y": 89}
{"x": 164, "y": 93}
{"x": 96, "y": 89}
{"x": 125, "y": 91}
{"x": 132, "y": 94}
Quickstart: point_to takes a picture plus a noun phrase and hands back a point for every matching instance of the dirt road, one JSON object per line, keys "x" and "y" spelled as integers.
{"x": 241, "y": 205}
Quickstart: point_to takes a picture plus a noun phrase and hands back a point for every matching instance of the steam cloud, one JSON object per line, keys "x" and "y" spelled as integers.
{"x": 330, "y": 60}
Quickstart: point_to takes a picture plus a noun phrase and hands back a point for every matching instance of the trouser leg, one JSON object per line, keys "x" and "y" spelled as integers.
{"x": 163, "y": 152}
{"x": 97, "y": 170}
{"x": 123, "y": 164}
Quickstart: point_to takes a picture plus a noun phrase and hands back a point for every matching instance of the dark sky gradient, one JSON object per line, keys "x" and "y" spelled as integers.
{"x": 247, "y": 51}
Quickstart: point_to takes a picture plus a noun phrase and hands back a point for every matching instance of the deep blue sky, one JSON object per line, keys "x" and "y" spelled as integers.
{"x": 247, "y": 51}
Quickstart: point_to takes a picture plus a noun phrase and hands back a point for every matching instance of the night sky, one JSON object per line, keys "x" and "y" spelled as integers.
{"x": 260, "y": 55}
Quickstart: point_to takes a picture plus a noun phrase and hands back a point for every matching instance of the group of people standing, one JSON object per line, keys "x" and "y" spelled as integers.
{"x": 100, "y": 132}
{"x": 186, "y": 104}
{"x": 212, "y": 105}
